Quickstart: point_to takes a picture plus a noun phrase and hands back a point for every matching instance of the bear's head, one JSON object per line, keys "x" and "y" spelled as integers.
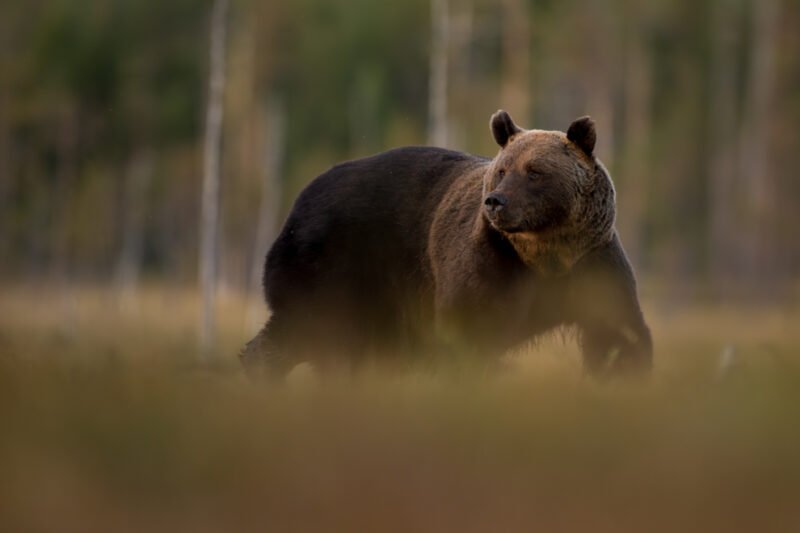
{"x": 548, "y": 194}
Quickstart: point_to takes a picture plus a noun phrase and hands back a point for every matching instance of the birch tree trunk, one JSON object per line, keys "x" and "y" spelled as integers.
{"x": 5, "y": 172}
{"x": 722, "y": 161}
{"x": 274, "y": 119}
{"x": 63, "y": 194}
{"x": 460, "y": 63}
{"x": 516, "y": 87}
{"x": 637, "y": 127}
{"x": 137, "y": 182}
{"x": 437, "y": 90}
{"x": 758, "y": 180}
{"x": 601, "y": 74}
{"x": 209, "y": 215}
{"x": 66, "y": 175}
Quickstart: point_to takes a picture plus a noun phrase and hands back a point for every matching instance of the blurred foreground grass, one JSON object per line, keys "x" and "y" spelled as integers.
{"x": 109, "y": 424}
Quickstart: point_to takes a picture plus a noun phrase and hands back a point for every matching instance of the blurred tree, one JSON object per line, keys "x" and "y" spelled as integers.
{"x": 274, "y": 121}
{"x": 600, "y": 74}
{"x": 516, "y": 87}
{"x": 209, "y": 218}
{"x": 636, "y": 126}
{"x": 723, "y": 125}
{"x": 696, "y": 103}
{"x": 437, "y": 96}
{"x": 133, "y": 211}
{"x": 754, "y": 150}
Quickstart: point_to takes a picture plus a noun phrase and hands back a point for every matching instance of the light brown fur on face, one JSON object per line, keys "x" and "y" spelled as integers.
{"x": 546, "y": 256}
{"x": 578, "y": 183}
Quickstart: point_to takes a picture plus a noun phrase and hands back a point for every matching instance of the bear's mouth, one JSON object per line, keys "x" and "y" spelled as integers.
{"x": 536, "y": 225}
{"x": 512, "y": 229}
{"x": 507, "y": 228}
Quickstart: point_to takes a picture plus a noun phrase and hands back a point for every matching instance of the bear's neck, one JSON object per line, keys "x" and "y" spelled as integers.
{"x": 547, "y": 255}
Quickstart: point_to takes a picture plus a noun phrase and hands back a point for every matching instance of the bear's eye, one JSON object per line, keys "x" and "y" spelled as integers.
{"x": 501, "y": 173}
{"x": 532, "y": 174}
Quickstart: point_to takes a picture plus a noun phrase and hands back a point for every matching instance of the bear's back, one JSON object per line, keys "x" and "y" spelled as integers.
{"x": 363, "y": 225}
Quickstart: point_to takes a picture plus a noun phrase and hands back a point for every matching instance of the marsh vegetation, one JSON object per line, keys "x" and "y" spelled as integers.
{"x": 110, "y": 424}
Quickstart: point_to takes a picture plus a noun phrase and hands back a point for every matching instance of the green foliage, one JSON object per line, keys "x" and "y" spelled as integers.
{"x": 86, "y": 87}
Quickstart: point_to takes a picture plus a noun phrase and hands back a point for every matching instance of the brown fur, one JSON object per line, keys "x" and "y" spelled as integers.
{"x": 421, "y": 250}
{"x": 591, "y": 194}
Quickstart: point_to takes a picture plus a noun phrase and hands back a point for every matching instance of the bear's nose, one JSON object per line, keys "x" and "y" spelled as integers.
{"x": 495, "y": 202}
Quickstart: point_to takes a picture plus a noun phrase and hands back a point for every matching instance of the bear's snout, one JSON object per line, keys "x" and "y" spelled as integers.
{"x": 495, "y": 202}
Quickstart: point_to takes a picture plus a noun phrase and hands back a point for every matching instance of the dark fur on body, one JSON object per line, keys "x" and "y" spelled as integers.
{"x": 405, "y": 253}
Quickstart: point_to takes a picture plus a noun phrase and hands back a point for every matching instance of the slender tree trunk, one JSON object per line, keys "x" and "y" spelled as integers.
{"x": 61, "y": 223}
{"x": 274, "y": 122}
{"x": 516, "y": 87}
{"x": 722, "y": 131}
{"x": 437, "y": 91}
{"x": 758, "y": 183}
{"x": 637, "y": 126}
{"x": 209, "y": 217}
{"x": 137, "y": 182}
{"x": 462, "y": 20}
{"x": 602, "y": 75}
{"x": 5, "y": 176}
{"x": 63, "y": 195}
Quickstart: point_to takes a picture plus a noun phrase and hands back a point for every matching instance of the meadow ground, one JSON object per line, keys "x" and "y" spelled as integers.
{"x": 108, "y": 423}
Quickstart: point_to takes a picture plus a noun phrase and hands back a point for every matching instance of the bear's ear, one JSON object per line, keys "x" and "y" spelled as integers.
{"x": 583, "y": 134}
{"x": 503, "y": 127}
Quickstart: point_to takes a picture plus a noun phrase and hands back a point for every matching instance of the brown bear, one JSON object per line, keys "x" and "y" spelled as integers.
{"x": 422, "y": 250}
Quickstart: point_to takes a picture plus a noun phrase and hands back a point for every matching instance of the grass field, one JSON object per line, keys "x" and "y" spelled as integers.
{"x": 109, "y": 423}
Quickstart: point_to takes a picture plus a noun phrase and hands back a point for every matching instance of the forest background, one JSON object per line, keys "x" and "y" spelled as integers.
{"x": 103, "y": 108}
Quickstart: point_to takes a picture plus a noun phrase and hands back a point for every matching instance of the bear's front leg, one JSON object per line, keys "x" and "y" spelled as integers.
{"x": 616, "y": 349}
{"x": 613, "y": 335}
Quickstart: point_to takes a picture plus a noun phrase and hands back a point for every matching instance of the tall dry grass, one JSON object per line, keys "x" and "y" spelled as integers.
{"x": 108, "y": 423}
